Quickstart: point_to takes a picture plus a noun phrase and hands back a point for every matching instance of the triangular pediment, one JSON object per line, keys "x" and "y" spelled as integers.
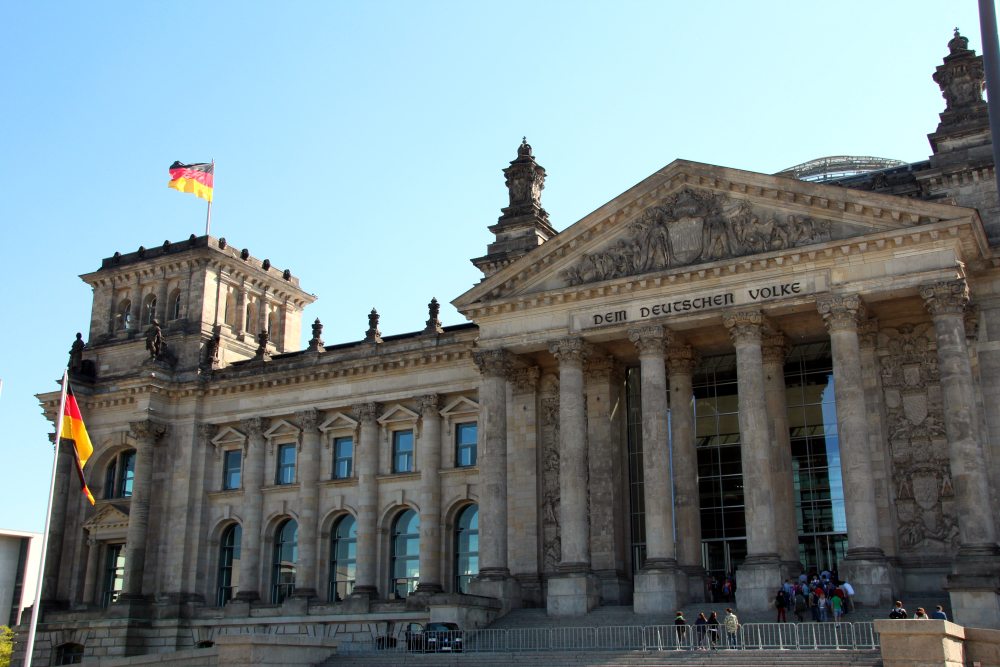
{"x": 283, "y": 430}
{"x": 690, "y": 216}
{"x": 398, "y": 413}
{"x": 338, "y": 421}
{"x": 228, "y": 436}
{"x": 460, "y": 406}
{"x": 110, "y": 517}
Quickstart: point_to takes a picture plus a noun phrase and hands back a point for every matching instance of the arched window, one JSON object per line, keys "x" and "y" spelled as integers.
{"x": 272, "y": 327}
{"x": 123, "y": 315}
{"x": 286, "y": 555}
{"x": 466, "y": 548}
{"x": 405, "y": 554}
{"x": 251, "y": 322}
{"x": 230, "y": 310}
{"x": 343, "y": 554}
{"x": 229, "y": 564}
{"x": 69, "y": 654}
{"x": 174, "y": 305}
{"x": 148, "y": 310}
{"x": 119, "y": 475}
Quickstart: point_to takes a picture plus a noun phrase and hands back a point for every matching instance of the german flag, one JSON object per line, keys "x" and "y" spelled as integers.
{"x": 73, "y": 429}
{"x": 198, "y": 179}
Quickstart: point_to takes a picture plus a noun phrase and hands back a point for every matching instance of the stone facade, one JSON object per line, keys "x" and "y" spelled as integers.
{"x": 329, "y": 491}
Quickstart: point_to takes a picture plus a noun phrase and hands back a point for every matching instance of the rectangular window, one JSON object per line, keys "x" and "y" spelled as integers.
{"x": 465, "y": 444}
{"x": 231, "y": 469}
{"x": 114, "y": 574}
{"x": 343, "y": 457}
{"x": 402, "y": 451}
{"x": 286, "y": 465}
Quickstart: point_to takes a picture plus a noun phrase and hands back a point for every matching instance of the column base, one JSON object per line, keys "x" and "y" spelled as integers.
{"x": 659, "y": 590}
{"x": 499, "y": 586}
{"x": 696, "y": 583}
{"x": 615, "y": 587}
{"x": 757, "y": 580}
{"x": 572, "y": 594}
{"x": 871, "y": 576}
{"x": 974, "y": 586}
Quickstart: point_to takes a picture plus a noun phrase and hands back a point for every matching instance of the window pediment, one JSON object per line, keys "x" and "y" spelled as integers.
{"x": 229, "y": 438}
{"x": 460, "y": 407}
{"x": 338, "y": 421}
{"x": 398, "y": 414}
{"x": 109, "y": 522}
{"x": 283, "y": 430}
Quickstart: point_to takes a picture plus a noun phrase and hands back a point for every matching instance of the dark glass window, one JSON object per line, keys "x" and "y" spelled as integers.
{"x": 466, "y": 548}
{"x": 402, "y": 451}
{"x": 405, "y": 554}
{"x": 286, "y": 465}
{"x": 149, "y": 310}
{"x": 343, "y": 457}
{"x": 343, "y": 557}
{"x": 465, "y": 444}
{"x": 123, "y": 316}
{"x": 119, "y": 475}
{"x": 114, "y": 573}
{"x": 174, "y": 305}
{"x": 229, "y": 563}
{"x": 69, "y": 654}
{"x": 231, "y": 466}
{"x": 286, "y": 556}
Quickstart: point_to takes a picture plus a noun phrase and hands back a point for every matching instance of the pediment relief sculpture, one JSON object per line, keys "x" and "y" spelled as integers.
{"x": 692, "y": 227}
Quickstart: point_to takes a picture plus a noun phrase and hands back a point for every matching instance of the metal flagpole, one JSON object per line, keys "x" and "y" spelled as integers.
{"x": 991, "y": 56}
{"x": 208, "y": 218}
{"x": 32, "y": 627}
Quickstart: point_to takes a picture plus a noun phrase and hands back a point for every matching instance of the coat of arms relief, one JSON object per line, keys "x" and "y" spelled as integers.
{"x": 918, "y": 445}
{"x": 692, "y": 227}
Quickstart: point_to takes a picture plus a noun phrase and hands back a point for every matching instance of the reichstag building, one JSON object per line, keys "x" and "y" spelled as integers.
{"x": 717, "y": 373}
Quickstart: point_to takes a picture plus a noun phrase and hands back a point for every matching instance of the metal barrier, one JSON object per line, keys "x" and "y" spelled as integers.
{"x": 751, "y": 636}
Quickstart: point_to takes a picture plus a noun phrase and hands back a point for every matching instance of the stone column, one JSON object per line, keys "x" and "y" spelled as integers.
{"x": 865, "y": 566}
{"x": 681, "y": 362}
{"x": 92, "y": 572}
{"x": 494, "y": 578}
{"x": 62, "y": 494}
{"x": 974, "y": 582}
{"x": 241, "y": 313}
{"x": 161, "y": 298}
{"x": 774, "y": 350}
{"x": 365, "y": 584}
{"x": 146, "y": 434}
{"x": 429, "y": 464}
{"x": 253, "y": 504}
{"x": 574, "y": 591}
{"x": 308, "y": 475}
{"x": 523, "y": 490}
{"x": 659, "y": 585}
{"x": 760, "y": 574}
{"x": 609, "y": 537}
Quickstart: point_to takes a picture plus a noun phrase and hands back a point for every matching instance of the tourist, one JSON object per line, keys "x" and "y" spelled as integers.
{"x": 780, "y": 603}
{"x": 822, "y": 606}
{"x": 680, "y": 630}
{"x": 701, "y": 630}
{"x": 732, "y": 629}
{"x": 921, "y": 614}
{"x": 713, "y": 629}
{"x": 801, "y": 604}
{"x": 837, "y": 604}
{"x": 939, "y": 614}
{"x": 848, "y": 596}
{"x": 898, "y": 611}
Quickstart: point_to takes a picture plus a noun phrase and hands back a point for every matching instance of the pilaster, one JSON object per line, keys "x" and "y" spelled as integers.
{"x": 429, "y": 464}
{"x": 308, "y": 476}
{"x": 365, "y": 586}
{"x": 146, "y": 434}
{"x": 253, "y": 502}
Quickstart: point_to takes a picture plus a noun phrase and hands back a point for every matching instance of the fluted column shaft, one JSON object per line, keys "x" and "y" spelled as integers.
{"x": 429, "y": 463}
{"x": 146, "y": 433}
{"x": 774, "y": 350}
{"x": 656, "y": 474}
{"x": 681, "y": 361}
{"x": 842, "y": 314}
{"x": 253, "y": 508}
{"x": 745, "y": 329}
{"x": 495, "y": 367}
{"x": 574, "y": 521}
{"x": 946, "y": 302}
{"x": 308, "y": 477}
{"x": 367, "y": 544}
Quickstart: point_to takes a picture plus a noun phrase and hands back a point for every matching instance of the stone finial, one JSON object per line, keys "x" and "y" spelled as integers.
{"x": 525, "y": 180}
{"x": 433, "y": 322}
{"x": 316, "y": 342}
{"x": 373, "y": 335}
{"x": 961, "y": 78}
{"x": 262, "y": 353}
{"x": 75, "y": 364}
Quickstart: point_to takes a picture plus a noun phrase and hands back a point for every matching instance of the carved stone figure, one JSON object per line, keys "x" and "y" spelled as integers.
{"x": 75, "y": 364}
{"x": 154, "y": 341}
{"x": 212, "y": 347}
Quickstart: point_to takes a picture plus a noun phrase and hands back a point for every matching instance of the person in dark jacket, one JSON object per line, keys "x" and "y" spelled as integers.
{"x": 701, "y": 630}
{"x": 681, "y": 630}
{"x": 713, "y": 629}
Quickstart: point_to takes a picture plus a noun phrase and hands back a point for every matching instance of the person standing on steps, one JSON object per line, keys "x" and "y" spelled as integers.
{"x": 898, "y": 611}
{"x": 781, "y": 604}
{"x": 732, "y": 629}
{"x": 680, "y": 630}
{"x": 938, "y": 614}
{"x": 713, "y": 630}
{"x": 701, "y": 630}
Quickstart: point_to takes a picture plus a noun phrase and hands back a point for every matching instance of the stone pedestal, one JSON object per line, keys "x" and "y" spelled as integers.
{"x": 871, "y": 578}
{"x": 695, "y": 579}
{"x": 973, "y": 587}
{"x": 615, "y": 587}
{"x": 921, "y": 643}
{"x": 572, "y": 594}
{"x": 658, "y": 591}
{"x": 504, "y": 589}
{"x": 757, "y": 580}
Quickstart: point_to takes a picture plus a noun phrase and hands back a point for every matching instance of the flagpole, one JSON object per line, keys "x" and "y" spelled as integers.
{"x": 208, "y": 218}
{"x": 33, "y": 626}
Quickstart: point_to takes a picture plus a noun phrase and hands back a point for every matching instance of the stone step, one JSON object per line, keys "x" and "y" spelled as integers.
{"x": 729, "y": 658}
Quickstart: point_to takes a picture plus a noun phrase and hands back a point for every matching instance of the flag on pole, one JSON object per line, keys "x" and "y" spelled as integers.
{"x": 73, "y": 429}
{"x": 198, "y": 179}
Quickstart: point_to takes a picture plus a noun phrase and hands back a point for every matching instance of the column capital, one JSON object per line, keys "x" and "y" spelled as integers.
{"x": 526, "y": 379}
{"x": 745, "y": 326}
{"x": 207, "y": 431}
{"x": 602, "y": 366}
{"x": 494, "y": 363}
{"x": 945, "y": 297}
{"x": 650, "y": 339}
{"x": 429, "y": 404}
{"x": 868, "y": 332}
{"x": 367, "y": 413}
{"x": 571, "y": 349}
{"x": 309, "y": 420}
{"x": 147, "y": 430}
{"x": 841, "y": 312}
{"x": 774, "y": 348}
{"x": 255, "y": 426}
{"x": 681, "y": 359}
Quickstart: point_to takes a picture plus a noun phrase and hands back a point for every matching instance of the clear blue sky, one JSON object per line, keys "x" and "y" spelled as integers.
{"x": 360, "y": 144}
